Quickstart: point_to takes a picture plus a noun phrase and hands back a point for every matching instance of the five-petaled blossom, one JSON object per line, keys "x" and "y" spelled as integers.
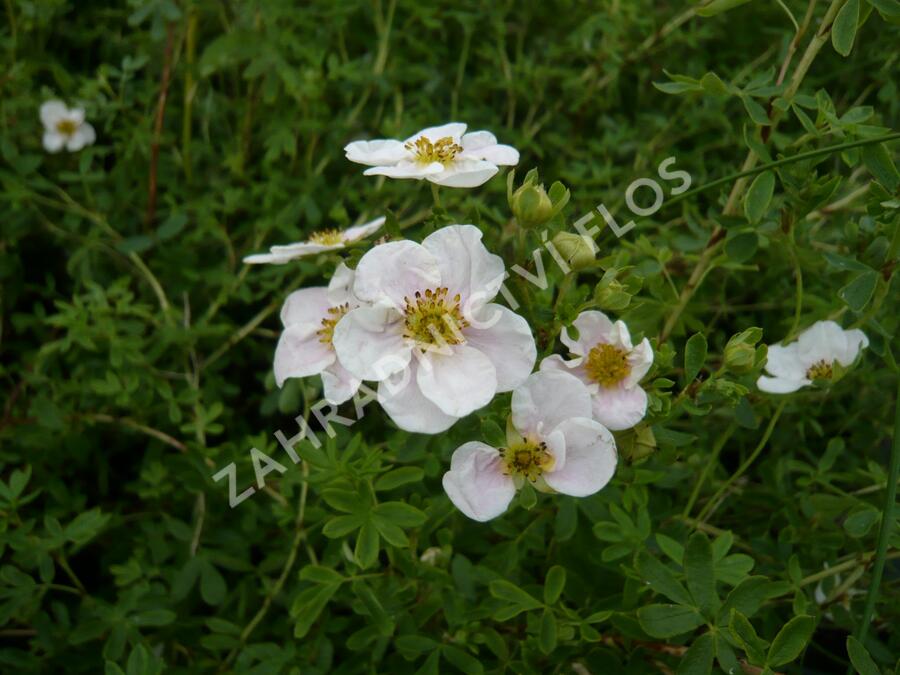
{"x": 430, "y": 334}
{"x": 811, "y": 357}
{"x": 318, "y": 242}
{"x": 445, "y": 155}
{"x": 305, "y": 347}
{"x": 552, "y": 442}
{"x": 65, "y": 127}
{"x": 609, "y": 365}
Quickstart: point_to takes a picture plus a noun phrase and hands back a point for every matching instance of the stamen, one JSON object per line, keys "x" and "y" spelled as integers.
{"x": 326, "y": 332}
{"x": 66, "y": 127}
{"x": 330, "y": 237}
{"x": 443, "y": 150}
{"x": 821, "y": 370}
{"x": 607, "y": 365}
{"x": 527, "y": 459}
{"x": 432, "y": 318}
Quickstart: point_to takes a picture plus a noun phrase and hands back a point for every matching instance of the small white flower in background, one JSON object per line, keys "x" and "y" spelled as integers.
{"x": 65, "y": 127}
{"x": 552, "y": 442}
{"x": 811, "y": 357}
{"x": 305, "y": 347}
{"x": 609, "y": 365}
{"x": 318, "y": 242}
{"x": 430, "y": 335}
{"x": 445, "y": 155}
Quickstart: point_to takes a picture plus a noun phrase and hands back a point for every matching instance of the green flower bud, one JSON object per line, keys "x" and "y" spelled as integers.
{"x": 575, "y": 249}
{"x": 531, "y": 205}
{"x": 740, "y": 352}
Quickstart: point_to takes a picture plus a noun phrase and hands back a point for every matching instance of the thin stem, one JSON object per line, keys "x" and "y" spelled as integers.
{"x": 887, "y": 523}
{"x": 436, "y": 193}
{"x": 711, "y": 504}
{"x": 713, "y": 458}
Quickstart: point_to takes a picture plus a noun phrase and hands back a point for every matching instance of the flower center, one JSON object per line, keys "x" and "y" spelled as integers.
{"x": 821, "y": 370}
{"x": 326, "y": 332}
{"x": 327, "y": 237}
{"x": 433, "y": 318}
{"x": 66, "y": 127}
{"x": 607, "y": 365}
{"x": 527, "y": 459}
{"x": 442, "y": 150}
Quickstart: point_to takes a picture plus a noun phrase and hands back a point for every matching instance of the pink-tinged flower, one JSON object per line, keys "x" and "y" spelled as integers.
{"x": 318, "y": 242}
{"x": 552, "y": 442}
{"x": 445, "y": 155}
{"x": 609, "y": 365}
{"x": 65, "y": 127}
{"x": 811, "y": 357}
{"x": 430, "y": 334}
{"x": 305, "y": 347}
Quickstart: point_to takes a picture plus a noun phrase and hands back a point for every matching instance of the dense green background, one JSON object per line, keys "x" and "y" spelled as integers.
{"x": 136, "y": 348}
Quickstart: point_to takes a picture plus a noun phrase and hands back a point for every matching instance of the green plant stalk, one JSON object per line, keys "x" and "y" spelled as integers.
{"x": 887, "y": 524}
{"x": 717, "y": 448}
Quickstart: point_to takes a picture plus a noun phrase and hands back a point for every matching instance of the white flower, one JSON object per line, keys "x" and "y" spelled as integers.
{"x": 811, "y": 357}
{"x": 610, "y": 366}
{"x": 430, "y": 335}
{"x": 552, "y": 442}
{"x": 445, "y": 155}
{"x": 65, "y": 127}
{"x": 305, "y": 347}
{"x": 319, "y": 242}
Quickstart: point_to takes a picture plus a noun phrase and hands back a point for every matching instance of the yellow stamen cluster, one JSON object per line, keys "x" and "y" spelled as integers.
{"x": 607, "y": 365}
{"x": 66, "y": 127}
{"x": 442, "y": 150}
{"x": 326, "y": 237}
{"x": 821, "y": 370}
{"x": 433, "y": 318}
{"x": 326, "y": 332}
{"x": 527, "y": 459}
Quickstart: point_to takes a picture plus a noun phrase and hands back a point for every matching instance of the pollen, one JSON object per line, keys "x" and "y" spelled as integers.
{"x": 821, "y": 370}
{"x": 326, "y": 237}
{"x": 607, "y": 365}
{"x": 434, "y": 318}
{"x": 442, "y": 150}
{"x": 66, "y": 127}
{"x": 326, "y": 332}
{"x": 527, "y": 459}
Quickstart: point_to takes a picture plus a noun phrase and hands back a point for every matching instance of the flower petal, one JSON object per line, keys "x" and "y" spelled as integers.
{"x": 406, "y": 169}
{"x": 784, "y": 362}
{"x": 408, "y": 407}
{"x": 53, "y": 141}
{"x": 476, "y": 484}
{"x": 505, "y": 338}
{"x": 618, "y": 408}
{"x": 340, "y": 288}
{"x": 546, "y": 399}
{"x": 593, "y": 327}
{"x": 53, "y": 112}
{"x": 780, "y": 385}
{"x": 303, "y": 248}
{"x": 575, "y": 367}
{"x": 338, "y": 384}
{"x": 466, "y": 266}
{"x": 396, "y": 270}
{"x": 369, "y": 344}
{"x": 454, "y": 130}
{"x": 358, "y": 232}
{"x": 464, "y": 173}
{"x": 269, "y": 258}
{"x": 477, "y": 140}
{"x": 590, "y": 458}
{"x": 306, "y": 306}
{"x": 459, "y": 382}
{"x": 376, "y": 152}
{"x": 640, "y": 359}
{"x": 299, "y": 354}
{"x": 84, "y": 135}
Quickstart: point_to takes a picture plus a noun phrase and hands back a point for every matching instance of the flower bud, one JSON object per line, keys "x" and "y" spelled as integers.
{"x": 576, "y": 250}
{"x": 740, "y": 352}
{"x": 531, "y": 205}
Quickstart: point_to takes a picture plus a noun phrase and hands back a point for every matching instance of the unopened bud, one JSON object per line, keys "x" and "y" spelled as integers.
{"x": 740, "y": 352}
{"x": 531, "y": 205}
{"x": 577, "y": 250}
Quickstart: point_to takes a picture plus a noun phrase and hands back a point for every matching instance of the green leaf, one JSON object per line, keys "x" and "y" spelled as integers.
{"x": 378, "y": 616}
{"x": 504, "y": 590}
{"x": 694, "y": 356}
{"x": 859, "y": 522}
{"x": 745, "y": 635}
{"x": 308, "y": 605}
{"x": 212, "y": 585}
{"x": 747, "y": 597}
{"x": 321, "y": 574}
{"x": 843, "y": 32}
{"x": 153, "y": 617}
{"x": 400, "y": 514}
{"x": 664, "y": 621}
{"x": 700, "y": 571}
{"x": 878, "y": 161}
{"x": 367, "y": 541}
{"x": 398, "y": 477}
{"x": 341, "y": 526}
{"x": 462, "y": 660}
{"x": 758, "y": 197}
{"x": 790, "y": 641}
{"x": 662, "y": 579}
{"x": 547, "y": 639}
{"x": 718, "y": 6}
{"x": 698, "y": 659}
{"x": 859, "y": 291}
{"x": 860, "y": 658}
{"x": 554, "y": 584}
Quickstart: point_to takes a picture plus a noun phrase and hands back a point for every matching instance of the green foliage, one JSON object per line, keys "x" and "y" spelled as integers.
{"x": 137, "y": 348}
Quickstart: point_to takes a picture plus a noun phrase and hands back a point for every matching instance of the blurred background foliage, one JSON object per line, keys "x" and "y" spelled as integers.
{"x": 136, "y": 347}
